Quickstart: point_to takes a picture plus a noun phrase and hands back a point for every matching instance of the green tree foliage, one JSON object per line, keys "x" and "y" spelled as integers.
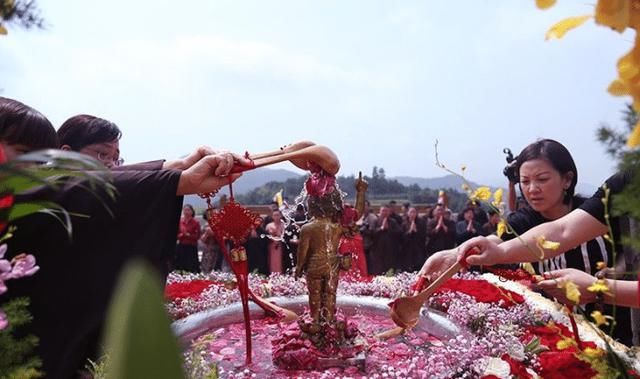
{"x": 381, "y": 189}
{"x": 614, "y": 139}
{"x": 23, "y": 13}
{"x": 16, "y": 353}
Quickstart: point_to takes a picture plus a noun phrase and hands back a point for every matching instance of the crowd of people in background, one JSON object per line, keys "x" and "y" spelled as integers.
{"x": 395, "y": 238}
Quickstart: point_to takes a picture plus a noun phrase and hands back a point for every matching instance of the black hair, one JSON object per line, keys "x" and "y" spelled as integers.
{"x": 557, "y": 155}
{"x": 83, "y": 130}
{"x": 193, "y": 211}
{"x": 22, "y": 125}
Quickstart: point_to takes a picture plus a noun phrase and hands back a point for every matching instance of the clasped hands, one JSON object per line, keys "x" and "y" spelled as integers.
{"x": 206, "y": 170}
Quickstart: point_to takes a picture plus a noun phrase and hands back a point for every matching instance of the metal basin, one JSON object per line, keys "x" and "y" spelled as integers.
{"x": 193, "y": 326}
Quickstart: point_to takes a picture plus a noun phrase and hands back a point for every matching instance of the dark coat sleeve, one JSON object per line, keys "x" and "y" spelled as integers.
{"x": 71, "y": 293}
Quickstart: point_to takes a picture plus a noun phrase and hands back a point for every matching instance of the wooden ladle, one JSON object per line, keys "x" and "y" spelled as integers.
{"x": 298, "y": 155}
{"x": 405, "y": 311}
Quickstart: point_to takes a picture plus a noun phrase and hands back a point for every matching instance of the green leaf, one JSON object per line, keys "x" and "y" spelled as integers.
{"x": 26, "y": 208}
{"x": 138, "y": 337}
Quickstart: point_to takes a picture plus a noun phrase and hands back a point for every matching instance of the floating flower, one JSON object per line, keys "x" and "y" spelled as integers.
{"x": 592, "y": 352}
{"x": 528, "y": 267}
{"x": 481, "y": 193}
{"x": 501, "y": 228}
{"x": 601, "y": 265}
{"x": 497, "y": 197}
{"x": 613, "y": 13}
{"x": 599, "y": 286}
{"x": 545, "y": 4}
{"x": 571, "y": 291}
{"x": 634, "y": 138}
{"x": 561, "y": 28}
{"x": 543, "y": 244}
{"x": 600, "y": 319}
{"x": 565, "y": 343}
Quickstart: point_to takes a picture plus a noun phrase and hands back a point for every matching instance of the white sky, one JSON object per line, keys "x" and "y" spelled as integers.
{"x": 376, "y": 81}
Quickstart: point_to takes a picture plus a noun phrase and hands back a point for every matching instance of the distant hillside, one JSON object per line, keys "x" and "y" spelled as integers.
{"x": 248, "y": 181}
{"x": 443, "y": 182}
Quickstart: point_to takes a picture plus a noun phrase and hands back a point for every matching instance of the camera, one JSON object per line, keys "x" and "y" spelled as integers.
{"x": 510, "y": 169}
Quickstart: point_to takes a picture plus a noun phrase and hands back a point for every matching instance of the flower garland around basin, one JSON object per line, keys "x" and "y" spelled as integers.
{"x": 509, "y": 331}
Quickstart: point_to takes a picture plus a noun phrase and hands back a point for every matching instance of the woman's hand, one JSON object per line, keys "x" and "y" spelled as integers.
{"x": 438, "y": 263}
{"x": 555, "y": 281}
{"x": 489, "y": 252}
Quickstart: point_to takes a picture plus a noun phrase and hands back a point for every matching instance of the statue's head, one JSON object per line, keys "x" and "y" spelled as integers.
{"x": 329, "y": 205}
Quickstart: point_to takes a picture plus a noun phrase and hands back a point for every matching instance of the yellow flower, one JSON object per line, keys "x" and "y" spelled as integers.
{"x": 497, "y": 197}
{"x": 544, "y": 244}
{"x": 545, "y": 4}
{"x": 593, "y": 353}
{"x": 571, "y": 291}
{"x": 618, "y": 88}
{"x": 561, "y": 28}
{"x": 600, "y": 319}
{"x": 3, "y": 30}
{"x": 634, "y": 137}
{"x": 599, "y": 286}
{"x": 501, "y": 229}
{"x": 613, "y": 13}
{"x": 481, "y": 193}
{"x": 601, "y": 265}
{"x": 528, "y": 267}
{"x": 565, "y": 343}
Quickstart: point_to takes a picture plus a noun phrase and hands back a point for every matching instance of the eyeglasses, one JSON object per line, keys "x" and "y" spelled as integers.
{"x": 106, "y": 159}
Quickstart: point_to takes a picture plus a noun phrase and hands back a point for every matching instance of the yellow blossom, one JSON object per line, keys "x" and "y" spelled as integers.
{"x": 545, "y": 4}
{"x": 599, "y": 286}
{"x": 481, "y": 193}
{"x": 565, "y": 343}
{"x": 3, "y": 30}
{"x": 613, "y": 13}
{"x": 634, "y": 137}
{"x": 618, "y": 88}
{"x": 497, "y": 197}
{"x": 571, "y": 291}
{"x": 542, "y": 244}
{"x": 528, "y": 267}
{"x": 601, "y": 265}
{"x": 600, "y": 319}
{"x": 501, "y": 229}
{"x": 593, "y": 352}
{"x": 561, "y": 28}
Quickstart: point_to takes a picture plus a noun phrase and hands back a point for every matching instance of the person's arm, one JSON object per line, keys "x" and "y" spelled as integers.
{"x": 621, "y": 292}
{"x": 569, "y": 231}
{"x": 184, "y": 163}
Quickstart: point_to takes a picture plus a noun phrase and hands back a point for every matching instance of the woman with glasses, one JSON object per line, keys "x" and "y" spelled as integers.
{"x": 92, "y": 136}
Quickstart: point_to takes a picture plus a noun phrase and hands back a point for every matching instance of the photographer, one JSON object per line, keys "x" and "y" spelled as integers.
{"x": 511, "y": 174}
